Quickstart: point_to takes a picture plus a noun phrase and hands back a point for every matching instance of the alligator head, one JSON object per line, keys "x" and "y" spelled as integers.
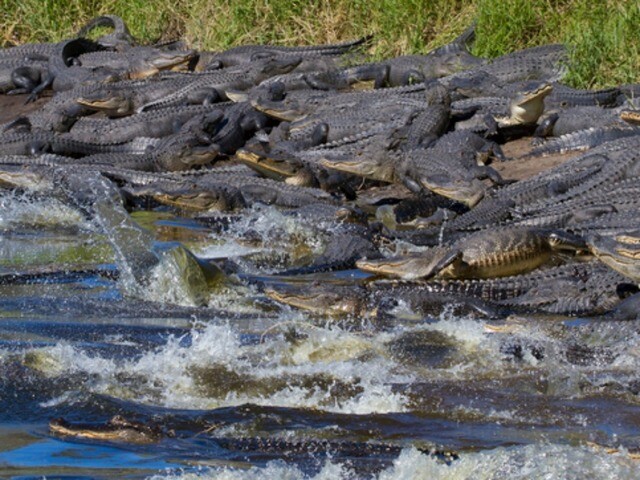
{"x": 620, "y": 252}
{"x": 527, "y": 106}
{"x": 324, "y": 299}
{"x": 112, "y": 102}
{"x": 117, "y": 429}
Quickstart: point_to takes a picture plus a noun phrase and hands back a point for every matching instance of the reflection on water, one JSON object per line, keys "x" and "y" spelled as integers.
{"x": 245, "y": 388}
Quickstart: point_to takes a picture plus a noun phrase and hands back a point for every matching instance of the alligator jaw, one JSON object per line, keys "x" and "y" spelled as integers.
{"x": 621, "y": 253}
{"x": 409, "y": 267}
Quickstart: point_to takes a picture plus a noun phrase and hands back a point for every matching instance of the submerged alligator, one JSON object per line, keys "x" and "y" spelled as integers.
{"x": 121, "y": 430}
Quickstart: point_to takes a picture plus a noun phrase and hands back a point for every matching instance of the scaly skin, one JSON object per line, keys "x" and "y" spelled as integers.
{"x": 117, "y": 429}
{"x": 154, "y": 124}
{"x": 585, "y": 288}
{"x": 486, "y": 254}
{"x": 620, "y": 252}
{"x": 582, "y": 140}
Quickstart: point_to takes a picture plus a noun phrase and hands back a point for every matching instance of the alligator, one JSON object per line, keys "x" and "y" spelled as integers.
{"x": 593, "y": 210}
{"x": 335, "y": 124}
{"x": 375, "y": 300}
{"x": 31, "y": 51}
{"x": 201, "y": 87}
{"x": 153, "y": 124}
{"x": 188, "y": 195}
{"x": 564, "y": 96}
{"x": 620, "y": 252}
{"x": 117, "y": 429}
{"x": 137, "y": 63}
{"x": 20, "y": 76}
{"x": 290, "y": 106}
{"x": 376, "y": 154}
{"x": 524, "y": 108}
{"x": 126, "y": 97}
{"x": 410, "y": 69}
{"x": 619, "y": 158}
{"x": 630, "y": 116}
{"x": 584, "y": 288}
{"x": 119, "y": 39}
{"x": 61, "y": 112}
{"x": 582, "y": 140}
{"x": 545, "y": 63}
{"x": 64, "y": 144}
{"x": 171, "y": 156}
{"x": 373, "y": 157}
{"x": 304, "y": 167}
{"x": 485, "y": 254}
{"x": 573, "y": 119}
{"x": 239, "y": 123}
{"x": 607, "y": 164}
{"x": 62, "y": 73}
{"x": 292, "y": 155}
{"x": 452, "y": 167}
{"x": 251, "y": 189}
{"x": 245, "y": 54}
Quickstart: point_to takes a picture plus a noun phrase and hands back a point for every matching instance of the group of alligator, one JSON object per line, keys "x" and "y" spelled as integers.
{"x": 390, "y": 162}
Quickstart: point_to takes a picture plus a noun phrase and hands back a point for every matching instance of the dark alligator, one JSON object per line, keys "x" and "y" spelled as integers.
{"x": 410, "y": 69}
{"x": 63, "y": 72}
{"x": 250, "y": 188}
{"x": 205, "y": 86}
{"x": 571, "y": 289}
{"x": 245, "y": 54}
{"x": 126, "y": 98}
{"x": 452, "y": 167}
{"x": 564, "y": 96}
{"x": 18, "y": 75}
{"x": 118, "y": 429}
{"x": 154, "y": 124}
{"x": 578, "y": 118}
{"x": 119, "y": 39}
{"x": 293, "y": 105}
{"x": 523, "y": 108}
{"x": 546, "y": 63}
{"x": 582, "y": 140}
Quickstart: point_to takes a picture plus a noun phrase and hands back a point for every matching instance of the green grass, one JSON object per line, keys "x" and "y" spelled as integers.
{"x": 602, "y": 35}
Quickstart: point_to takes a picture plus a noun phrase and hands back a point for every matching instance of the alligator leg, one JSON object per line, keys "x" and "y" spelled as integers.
{"x": 545, "y": 129}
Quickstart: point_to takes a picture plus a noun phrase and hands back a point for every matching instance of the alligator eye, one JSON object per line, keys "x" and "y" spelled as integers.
{"x": 564, "y": 104}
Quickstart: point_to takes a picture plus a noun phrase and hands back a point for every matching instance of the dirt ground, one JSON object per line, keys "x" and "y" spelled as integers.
{"x": 12, "y": 106}
{"x": 515, "y": 168}
{"x": 518, "y": 168}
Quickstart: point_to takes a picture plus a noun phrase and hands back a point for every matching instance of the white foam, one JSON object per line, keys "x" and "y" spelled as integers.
{"x": 277, "y": 234}
{"x": 532, "y": 462}
{"x": 332, "y": 370}
{"x": 23, "y": 210}
{"x": 273, "y": 470}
